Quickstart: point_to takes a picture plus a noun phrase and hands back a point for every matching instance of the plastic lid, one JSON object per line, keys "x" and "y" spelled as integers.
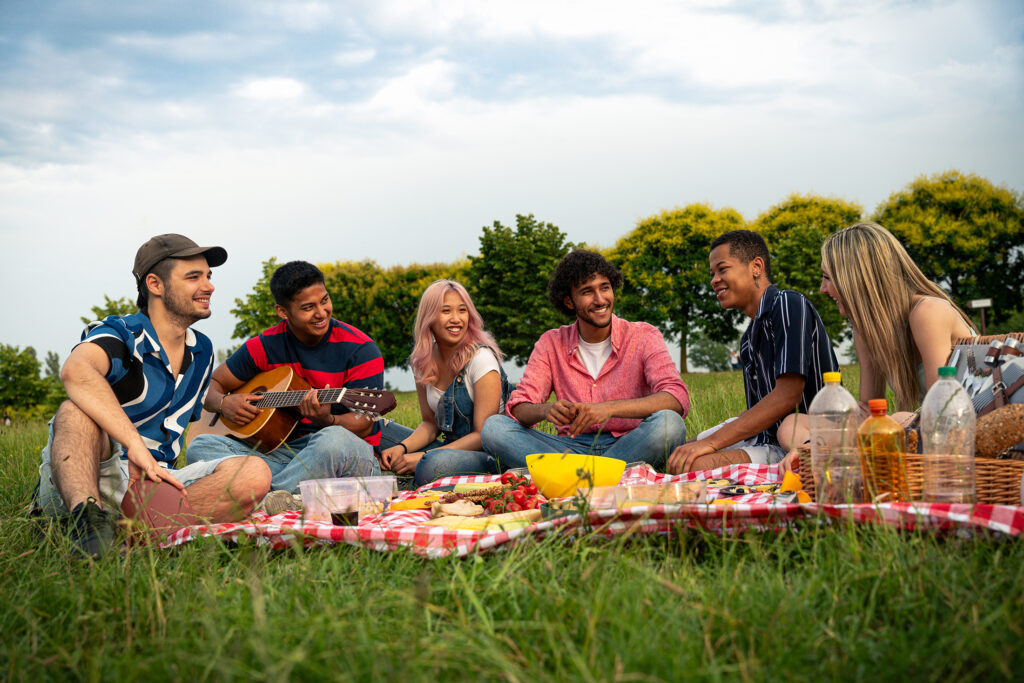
{"x": 947, "y": 371}
{"x": 831, "y": 376}
{"x": 878, "y": 405}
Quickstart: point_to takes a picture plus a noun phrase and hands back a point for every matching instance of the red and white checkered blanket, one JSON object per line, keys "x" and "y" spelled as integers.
{"x": 393, "y": 530}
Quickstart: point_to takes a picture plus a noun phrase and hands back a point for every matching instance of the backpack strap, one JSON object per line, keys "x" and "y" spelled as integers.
{"x": 1000, "y": 392}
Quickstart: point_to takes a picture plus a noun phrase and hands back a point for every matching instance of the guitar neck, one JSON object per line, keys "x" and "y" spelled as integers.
{"x": 290, "y": 399}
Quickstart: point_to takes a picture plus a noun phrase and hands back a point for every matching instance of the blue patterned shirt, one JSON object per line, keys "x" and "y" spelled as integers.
{"x": 786, "y": 336}
{"x": 159, "y": 404}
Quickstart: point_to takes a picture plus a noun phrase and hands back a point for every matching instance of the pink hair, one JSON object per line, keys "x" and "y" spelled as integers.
{"x": 422, "y": 362}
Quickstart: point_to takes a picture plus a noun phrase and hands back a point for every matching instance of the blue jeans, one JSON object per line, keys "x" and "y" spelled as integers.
{"x": 326, "y": 454}
{"x": 439, "y": 462}
{"x": 652, "y": 441}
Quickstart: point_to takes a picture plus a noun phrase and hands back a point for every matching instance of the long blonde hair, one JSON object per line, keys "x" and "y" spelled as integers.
{"x": 877, "y": 282}
{"x": 422, "y": 361}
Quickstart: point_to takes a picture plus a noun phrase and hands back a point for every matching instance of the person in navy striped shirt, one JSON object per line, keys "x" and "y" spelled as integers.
{"x": 134, "y": 382}
{"x": 784, "y": 352}
{"x": 329, "y": 441}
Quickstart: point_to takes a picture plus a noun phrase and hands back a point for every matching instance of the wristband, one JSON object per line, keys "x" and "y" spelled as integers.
{"x": 221, "y": 405}
{"x": 405, "y": 449}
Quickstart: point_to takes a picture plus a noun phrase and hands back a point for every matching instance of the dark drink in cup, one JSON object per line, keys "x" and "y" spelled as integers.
{"x": 345, "y": 518}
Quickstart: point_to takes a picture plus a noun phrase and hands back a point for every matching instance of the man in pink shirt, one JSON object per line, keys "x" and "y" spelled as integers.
{"x": 617, "y": 391}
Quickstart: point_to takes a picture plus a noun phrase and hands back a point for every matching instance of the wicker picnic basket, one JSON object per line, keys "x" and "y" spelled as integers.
{"x": 997, "y": 482}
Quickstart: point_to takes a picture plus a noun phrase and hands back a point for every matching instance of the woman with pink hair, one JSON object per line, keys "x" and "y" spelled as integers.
{"x": 459, "y": 383}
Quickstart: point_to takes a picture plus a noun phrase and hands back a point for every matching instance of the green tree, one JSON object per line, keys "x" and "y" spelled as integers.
{"x": 794, "y": 230}
{"x": 966, "y": 234}
{"x": 665, "y": 264}
{"x": 255, "y": 312}
{"x": 707, "y": 353}
{"x": 122, "y": 306}
{"x": 393, "y": 302}
{"x": 52, "y": 365}
{"x": 55, "y": 393}
{"x": 380, "y": 302}
{"x": 509, "y": 282}
{"x": 20, "y": 383}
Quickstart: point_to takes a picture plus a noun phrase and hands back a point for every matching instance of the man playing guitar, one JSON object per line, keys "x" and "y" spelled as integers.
{"x": 329, "y": 440}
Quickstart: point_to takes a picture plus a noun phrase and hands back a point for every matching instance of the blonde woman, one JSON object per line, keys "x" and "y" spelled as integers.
{"x": 904, "y": 325}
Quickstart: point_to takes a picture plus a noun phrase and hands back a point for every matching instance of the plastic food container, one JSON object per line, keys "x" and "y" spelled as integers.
{"x": 376, "y": 493}
{"x": 331, "y": 500}
{"x": 674, "y": 493}
{"x": 600, "y": 497}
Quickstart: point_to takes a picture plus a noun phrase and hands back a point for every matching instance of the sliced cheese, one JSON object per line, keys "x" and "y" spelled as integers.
{"x": 420, "y": 503}
{"x": 505, "y": 521}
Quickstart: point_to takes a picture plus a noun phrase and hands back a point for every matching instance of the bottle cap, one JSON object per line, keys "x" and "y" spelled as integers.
{"x": 947, "y": 371}
{"x": 878, "y": 405}
{"x": 831, "y": 376}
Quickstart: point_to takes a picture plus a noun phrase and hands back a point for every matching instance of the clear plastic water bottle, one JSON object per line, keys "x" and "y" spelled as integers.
{"x": 947, "y": 431}
{"x": 835, "y": 463}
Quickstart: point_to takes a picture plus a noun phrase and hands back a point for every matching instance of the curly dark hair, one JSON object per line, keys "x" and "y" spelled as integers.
{"x": 578, "y": 266}
{"x": 291, "y": 278}
{"x": 746, "y": 246}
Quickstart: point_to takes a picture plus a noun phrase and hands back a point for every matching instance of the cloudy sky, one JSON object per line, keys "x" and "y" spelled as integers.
{"x": 395, "y": 130}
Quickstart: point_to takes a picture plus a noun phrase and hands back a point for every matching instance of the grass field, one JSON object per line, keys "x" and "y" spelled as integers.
{"x": 833, "y": 602}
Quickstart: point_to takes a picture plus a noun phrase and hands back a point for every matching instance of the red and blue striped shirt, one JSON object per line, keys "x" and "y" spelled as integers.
{"x": 345, "y": 357}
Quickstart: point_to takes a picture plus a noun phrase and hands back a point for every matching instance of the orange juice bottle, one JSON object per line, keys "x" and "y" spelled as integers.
{"x": 882, "y": 442}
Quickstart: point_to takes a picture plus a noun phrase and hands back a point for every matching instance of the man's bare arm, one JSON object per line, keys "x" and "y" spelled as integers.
{"x": 84, "y": 377}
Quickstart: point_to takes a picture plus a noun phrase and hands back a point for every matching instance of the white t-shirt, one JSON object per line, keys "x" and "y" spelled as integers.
{"x": 483, "y": 361}
{"x": 595, "y": 355}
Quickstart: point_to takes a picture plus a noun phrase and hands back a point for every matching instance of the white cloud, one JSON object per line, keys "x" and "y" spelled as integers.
{"x": 404, "y": 156}
{"x": 355, "y": 57}
{"x": 190, "y": 47}
{"x": 270, "y": 89}
{"x": 301, "y": 16}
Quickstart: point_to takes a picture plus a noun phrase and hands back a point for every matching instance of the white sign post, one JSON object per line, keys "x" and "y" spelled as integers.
{"x": 982, "y": 304}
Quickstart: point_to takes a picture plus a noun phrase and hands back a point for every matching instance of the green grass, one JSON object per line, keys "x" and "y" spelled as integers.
{"x": 840, "y": 602}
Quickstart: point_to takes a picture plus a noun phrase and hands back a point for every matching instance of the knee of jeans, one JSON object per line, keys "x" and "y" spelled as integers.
{"x": 336, "y": 438}
{"x": 494, "y": 427}
{"x": 671, "y": 423}
{"x": 200, "y": 448}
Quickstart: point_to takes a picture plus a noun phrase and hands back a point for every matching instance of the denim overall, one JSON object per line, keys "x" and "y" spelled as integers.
{"x": 454, "y": 414}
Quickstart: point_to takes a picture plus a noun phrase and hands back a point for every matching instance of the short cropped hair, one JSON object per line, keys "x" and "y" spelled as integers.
{"x": 577, "y": 267}
{"x": 746, "y": 246}
{"x": 291, "y": 278}
{"x": 162, "y": 269}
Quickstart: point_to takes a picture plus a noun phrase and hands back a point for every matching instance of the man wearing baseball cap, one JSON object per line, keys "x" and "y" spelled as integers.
{"x": 134, "y": 382}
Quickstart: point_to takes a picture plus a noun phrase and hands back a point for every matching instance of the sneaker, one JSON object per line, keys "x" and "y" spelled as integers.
{"x": 276, "y": 502}
{"x": 93, "y": 529}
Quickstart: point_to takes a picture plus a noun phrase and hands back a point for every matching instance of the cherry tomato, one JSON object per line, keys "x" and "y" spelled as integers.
{"x": 519, "y": 496}
{"x": 507, "y": 478}
{"x": 532, "y": 503}
{"x": 514, "y": 507}
{"x": 531, "y": 490}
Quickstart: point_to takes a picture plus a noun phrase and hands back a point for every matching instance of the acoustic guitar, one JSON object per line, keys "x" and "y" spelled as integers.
{"x": 280, "y": 389}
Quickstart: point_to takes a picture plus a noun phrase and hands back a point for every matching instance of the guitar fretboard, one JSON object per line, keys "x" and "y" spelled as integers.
{"x": 289, "y": 399}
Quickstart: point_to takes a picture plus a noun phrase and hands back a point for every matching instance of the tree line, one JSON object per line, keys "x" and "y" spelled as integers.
{"x": 964, "y": 232}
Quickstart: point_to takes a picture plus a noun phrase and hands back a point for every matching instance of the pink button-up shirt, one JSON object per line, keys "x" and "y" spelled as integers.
{"x": 638, "y": 366}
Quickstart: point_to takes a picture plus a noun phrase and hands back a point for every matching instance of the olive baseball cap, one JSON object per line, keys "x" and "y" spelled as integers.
{"x": 173, "y": 246}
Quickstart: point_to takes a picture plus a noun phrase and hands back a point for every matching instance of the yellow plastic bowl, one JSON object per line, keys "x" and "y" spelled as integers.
{"x": 559, "y": 474}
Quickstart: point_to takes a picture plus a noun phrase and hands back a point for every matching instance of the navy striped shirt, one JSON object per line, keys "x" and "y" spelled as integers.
{"x": 345, "y": 357}
{"x": 786, "y": 336}
{"x": 159, "y": 404}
